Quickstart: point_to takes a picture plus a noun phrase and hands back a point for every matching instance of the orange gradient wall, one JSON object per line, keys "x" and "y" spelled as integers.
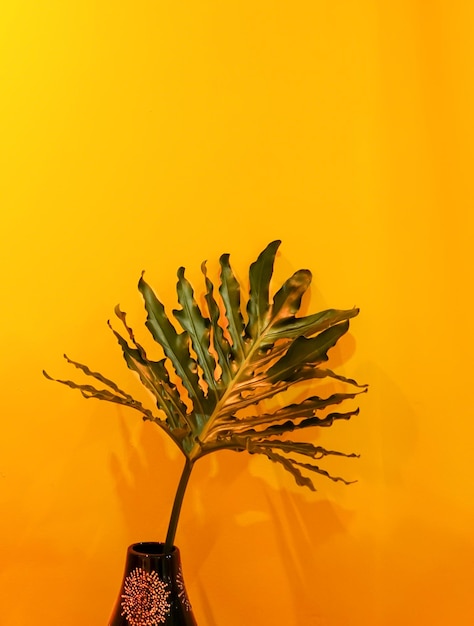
{"x": 150, "y": 135}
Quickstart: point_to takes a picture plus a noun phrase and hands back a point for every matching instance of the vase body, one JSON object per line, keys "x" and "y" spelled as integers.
{"x": 153, "y": 591}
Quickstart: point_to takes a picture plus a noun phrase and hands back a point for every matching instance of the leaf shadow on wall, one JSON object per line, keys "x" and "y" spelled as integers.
{"x": 144, "y": 487}
{"x": 214, "y": 542}
{"x": 220, "y": 491}
{"x": 142, "y": 477}
{"x": 258, "y": 542}
{"x": 302, "y": 527}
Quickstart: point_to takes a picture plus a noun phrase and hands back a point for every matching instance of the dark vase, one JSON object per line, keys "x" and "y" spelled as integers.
{"x": 153, "y": 591}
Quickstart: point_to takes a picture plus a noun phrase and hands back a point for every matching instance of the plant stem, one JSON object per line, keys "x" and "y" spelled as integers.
{"x": 178, "y": 501}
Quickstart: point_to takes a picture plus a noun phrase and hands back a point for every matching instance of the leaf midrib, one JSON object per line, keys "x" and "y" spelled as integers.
{"x": 194, "y": 454}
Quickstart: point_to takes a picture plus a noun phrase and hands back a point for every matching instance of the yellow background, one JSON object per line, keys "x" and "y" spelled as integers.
{"x": 150, "y": 134}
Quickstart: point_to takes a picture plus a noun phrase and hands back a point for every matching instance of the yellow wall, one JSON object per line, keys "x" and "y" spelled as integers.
{"x": 150, "y": 134}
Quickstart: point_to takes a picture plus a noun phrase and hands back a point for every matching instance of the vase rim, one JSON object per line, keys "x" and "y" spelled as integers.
{"x": 150, "y": 548}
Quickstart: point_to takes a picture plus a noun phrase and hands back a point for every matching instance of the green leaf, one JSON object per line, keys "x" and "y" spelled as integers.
{"x": 304, "y": 352}
{"x": 287, "y": 300}
{"x": 89, "y": 391}
{"x": 198, "y": 329}
{"x": 323, "y": 472}
{"x": 175, "y": 346}
{"x": 153, "y": 375}
{"x": 289, "y": 465}
{"x": 308, "y": 373}
{"x": 220, "y": 343}
{"x": 295, "y": 423}
{"x": 98, "y": 376}
{"x": 230, "y": 293}
{"x": 293, "y": 327}
{"x": 292, "y": 466}
{"x": 303, "y": 448}
{"x": 155, "y": 378}
{"x": 328, "y": 420}
{"x": 297, "y": 411}
{"x": 258, "y": 305}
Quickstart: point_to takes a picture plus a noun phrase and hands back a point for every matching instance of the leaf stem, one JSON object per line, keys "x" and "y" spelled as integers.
{"x": 178, "y": 501}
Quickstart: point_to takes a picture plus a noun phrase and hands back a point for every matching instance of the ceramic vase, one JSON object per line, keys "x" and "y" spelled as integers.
{"x": 153, "y": 591}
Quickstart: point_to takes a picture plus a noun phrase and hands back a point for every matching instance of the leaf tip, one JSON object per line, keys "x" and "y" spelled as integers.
{"x": 224, "y": 258}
